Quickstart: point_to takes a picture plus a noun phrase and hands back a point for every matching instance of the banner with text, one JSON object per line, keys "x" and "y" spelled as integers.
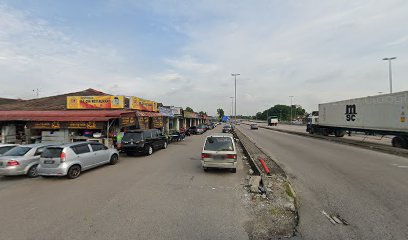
{"x": 143, "y": 104}
{"x": 95, "y": 102}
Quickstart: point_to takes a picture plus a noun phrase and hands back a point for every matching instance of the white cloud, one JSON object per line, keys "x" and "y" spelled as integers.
{"x": 315, "y": 50}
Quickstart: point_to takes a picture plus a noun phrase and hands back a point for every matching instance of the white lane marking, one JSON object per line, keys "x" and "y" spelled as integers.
{"x": 402, "y": 166}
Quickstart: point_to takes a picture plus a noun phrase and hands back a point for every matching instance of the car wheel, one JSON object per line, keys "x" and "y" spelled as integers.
{"x": 233, "y": 170}
{"x": 165, "y": 145}
{"x": 74, "y": 172}
{"x": 205, "y": 169}
{"x": 114, "y": 159}
{"x": 32, "y": 172}
{"x": 150, "y": 150}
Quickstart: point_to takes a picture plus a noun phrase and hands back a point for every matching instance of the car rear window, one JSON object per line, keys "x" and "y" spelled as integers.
{"x": 17, "y": 151}
{"x": 5, "y": 149}
{"x": 219, "y": 144}
{"x": 132, "y": 136}
{"x": 51, "y": 153}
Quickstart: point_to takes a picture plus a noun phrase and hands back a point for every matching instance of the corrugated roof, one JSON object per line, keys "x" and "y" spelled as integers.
{"x": 70, "y": 115}
{"x": 57, "y": 102}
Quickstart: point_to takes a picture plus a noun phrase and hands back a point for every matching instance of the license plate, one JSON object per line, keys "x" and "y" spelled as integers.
{"x": 49, "y": 161}
{"x": 218, "y": 157}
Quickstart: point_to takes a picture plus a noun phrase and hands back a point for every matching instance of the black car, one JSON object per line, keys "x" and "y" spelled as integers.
{"x": 227, "y": 129}
{"x": 143, "y": 141}
{"x": 193, "y": 130}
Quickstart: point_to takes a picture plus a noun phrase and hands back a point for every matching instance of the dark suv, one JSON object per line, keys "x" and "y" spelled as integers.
{"x": 143, "y": 141}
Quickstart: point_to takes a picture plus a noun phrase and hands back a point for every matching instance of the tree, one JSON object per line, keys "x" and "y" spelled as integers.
{"x": 189, "y": 109}
{"x": 203, "y": 113}
{"x": 282, "y": 112}
{"x": 220, "y": 113}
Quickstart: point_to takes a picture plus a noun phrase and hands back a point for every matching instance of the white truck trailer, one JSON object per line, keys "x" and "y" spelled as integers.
{"x": 385, "y": 114}
{"x": 273, "y": 121}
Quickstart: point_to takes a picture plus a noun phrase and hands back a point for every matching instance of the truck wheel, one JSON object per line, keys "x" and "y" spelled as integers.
{"x": 399, "y": 142}
{"x": 325, "y": 132}
{"x": 339, "y": 133}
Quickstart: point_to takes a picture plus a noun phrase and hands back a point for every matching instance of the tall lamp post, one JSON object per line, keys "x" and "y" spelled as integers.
{"x": 235, "y": 76}
{"x": 291, "y": 99}
{"x": 232, "y": 106}
{"x": 390, "y": 70}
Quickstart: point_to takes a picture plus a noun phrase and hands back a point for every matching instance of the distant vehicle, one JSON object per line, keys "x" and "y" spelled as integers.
{"x": 254, "y": 126}
{"x": 22, "y": 160}
{"x": 176, "y": 135}
{"x": 273, "y": 121}
{"x": 382, "y": 114}
{"x": 219, "y": 151}
{"x": 227, "y": 128}
{"x": 5, "y": 147}
{"x": 143, "y": 141}
{"x": 192, "y": 130}
{"x": 201, "y": 129}
{"x": 73, "y": 158}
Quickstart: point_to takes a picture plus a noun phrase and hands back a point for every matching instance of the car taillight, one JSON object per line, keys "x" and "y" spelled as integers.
{"x": 12, "y": 163}
{"x": 232, "y": 156}
{"x": 62, "y": 157}
{"x": 205, "y": 155}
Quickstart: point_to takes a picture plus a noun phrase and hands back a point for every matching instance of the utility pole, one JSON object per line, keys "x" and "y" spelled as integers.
{"x": 390, "y": 70}
{"x": 291, "y": 98}
{"x": 235, "y": 75}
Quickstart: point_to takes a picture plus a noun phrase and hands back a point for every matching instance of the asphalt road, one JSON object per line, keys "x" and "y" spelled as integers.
{"x": 385, "y": 140}
{"x": 163, "y": 196}
{"x": 367, "y": 188}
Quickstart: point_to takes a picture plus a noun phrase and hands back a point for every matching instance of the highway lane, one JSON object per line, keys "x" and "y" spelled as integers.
{"x": 367, "y": 188}
{"x": 163, "y": 196}
{"x": 385, "y": 140}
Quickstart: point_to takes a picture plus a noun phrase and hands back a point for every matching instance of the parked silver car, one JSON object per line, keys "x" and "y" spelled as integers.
{"x": 219, "y": 151}
{"x": 5, "y": 147}
{"x": 71, "y": 159}
{"x": 22, "y": 160}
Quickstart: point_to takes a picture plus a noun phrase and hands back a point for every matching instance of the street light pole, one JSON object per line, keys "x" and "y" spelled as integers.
{"x": 291, "y": 98}
{"x": 232, "y": 106}
{"x": 390, "y": 70}
{"x": 235, "y": 75}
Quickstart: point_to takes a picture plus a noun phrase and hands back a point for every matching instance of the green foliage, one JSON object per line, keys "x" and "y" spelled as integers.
{"x": 189, "y": 109}
{"x": 282, "y": 112}
{"x": 220, "y": 112}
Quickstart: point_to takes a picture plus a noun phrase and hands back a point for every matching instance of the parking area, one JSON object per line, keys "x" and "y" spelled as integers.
{"x": 166, "y": 195}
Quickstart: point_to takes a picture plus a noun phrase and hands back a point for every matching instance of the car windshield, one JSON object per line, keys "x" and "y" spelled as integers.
{"x": 227, "y": 126}
{"x": 51, "y": 153}
{"x": 17, "y": 151}
{"x": 132, "y": 136}
{"x": 5, "y": 149}
{"x": 219, "y": 144}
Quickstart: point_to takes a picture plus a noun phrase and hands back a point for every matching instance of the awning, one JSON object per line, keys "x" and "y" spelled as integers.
{"x": 63, "y": 116}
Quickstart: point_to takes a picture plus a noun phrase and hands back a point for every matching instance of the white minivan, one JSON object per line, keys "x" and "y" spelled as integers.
{"x": 219, "y": 151}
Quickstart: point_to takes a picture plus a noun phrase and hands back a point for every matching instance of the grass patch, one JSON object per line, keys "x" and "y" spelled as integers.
{"x": 288, "y": 190}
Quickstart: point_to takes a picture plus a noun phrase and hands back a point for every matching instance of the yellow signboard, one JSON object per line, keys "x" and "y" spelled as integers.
{"x": 95, "y": 102}
{"x": 143, "y": 104}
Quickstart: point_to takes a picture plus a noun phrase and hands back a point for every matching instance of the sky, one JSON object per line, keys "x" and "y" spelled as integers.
{"x": 182, "y": 53}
